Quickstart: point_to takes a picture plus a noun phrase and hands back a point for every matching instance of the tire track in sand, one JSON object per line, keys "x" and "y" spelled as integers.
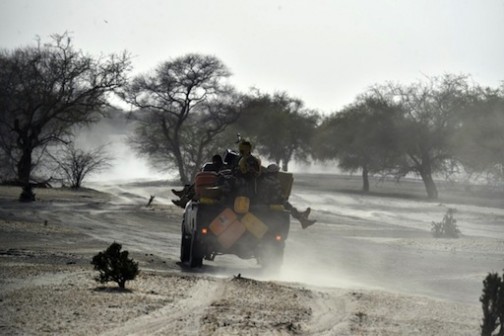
{"x": 180, "y": 317}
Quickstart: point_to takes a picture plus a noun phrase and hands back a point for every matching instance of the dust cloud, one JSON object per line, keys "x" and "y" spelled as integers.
{"x": 112, "y": 133}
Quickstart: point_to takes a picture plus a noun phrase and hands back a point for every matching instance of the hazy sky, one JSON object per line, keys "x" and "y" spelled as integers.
{"x": 324, "y": 52}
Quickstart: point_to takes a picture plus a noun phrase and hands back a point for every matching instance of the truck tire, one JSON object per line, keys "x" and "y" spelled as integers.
{"x": 185, "y": 245}
{"x": 195, "y": 260}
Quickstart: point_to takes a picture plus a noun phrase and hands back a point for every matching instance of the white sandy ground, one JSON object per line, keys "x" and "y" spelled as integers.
{"x": 368, "y": 267}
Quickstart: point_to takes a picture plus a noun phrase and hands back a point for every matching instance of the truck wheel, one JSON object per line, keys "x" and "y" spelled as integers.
{"x": 194, "y": 256}
{"x": 185, "y": 245}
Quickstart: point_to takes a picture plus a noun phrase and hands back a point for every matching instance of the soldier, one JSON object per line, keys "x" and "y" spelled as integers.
{"x": 271, "y": 190}
{"x": 248, "y": 166}
{"x": 188, "y": 192}
{"x": 216, "y": 165}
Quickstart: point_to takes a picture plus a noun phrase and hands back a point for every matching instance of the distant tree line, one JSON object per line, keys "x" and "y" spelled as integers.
{"x": 438, "y": 126}
{"x": 184, "y": 111}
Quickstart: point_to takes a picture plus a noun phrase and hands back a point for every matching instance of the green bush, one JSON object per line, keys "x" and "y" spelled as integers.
{"x": 492, "y": 301}
{"x": 447, "y": 228}
{"x": 115, "y": 265}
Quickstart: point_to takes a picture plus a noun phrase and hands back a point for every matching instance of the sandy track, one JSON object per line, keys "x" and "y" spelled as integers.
{"x": 355, "y": 273}
{"x": 181, "y": 317}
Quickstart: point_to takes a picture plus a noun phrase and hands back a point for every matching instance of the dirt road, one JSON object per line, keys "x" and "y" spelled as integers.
{"x": 368, "y": 267}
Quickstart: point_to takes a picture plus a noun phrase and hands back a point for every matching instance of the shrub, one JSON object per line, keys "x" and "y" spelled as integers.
{"x": 115, "y": 265}
{"x": 447, "y": 228}
{"x": 492, "y": 301}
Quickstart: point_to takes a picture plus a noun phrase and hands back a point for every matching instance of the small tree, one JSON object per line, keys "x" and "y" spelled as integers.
{"x": 115, "y": 265}
{"x": 492, "y": 301}
{"x": 447, "y": 228}
{"x": 76, "y": 164}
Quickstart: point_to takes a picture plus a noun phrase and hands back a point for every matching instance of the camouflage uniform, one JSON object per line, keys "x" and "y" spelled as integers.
{"x": 270, "y": 190}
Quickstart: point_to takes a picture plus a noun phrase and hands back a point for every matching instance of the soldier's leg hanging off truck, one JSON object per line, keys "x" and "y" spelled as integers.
{"x": 302, "y": 217}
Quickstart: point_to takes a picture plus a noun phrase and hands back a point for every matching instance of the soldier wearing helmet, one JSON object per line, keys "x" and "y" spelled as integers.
{"x": 248, "y": 166}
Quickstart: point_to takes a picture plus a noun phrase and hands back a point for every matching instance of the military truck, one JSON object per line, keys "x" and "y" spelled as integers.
{"x": 222, "y": 219}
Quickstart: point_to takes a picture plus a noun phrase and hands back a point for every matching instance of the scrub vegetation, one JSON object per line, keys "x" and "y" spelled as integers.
{"x": 447, "y": 228}
{"x": 492, "y": 301}
{"x": 115, "y": 265}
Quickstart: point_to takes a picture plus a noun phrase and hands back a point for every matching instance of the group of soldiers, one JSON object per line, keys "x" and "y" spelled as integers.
{"x": 251, "y": 178}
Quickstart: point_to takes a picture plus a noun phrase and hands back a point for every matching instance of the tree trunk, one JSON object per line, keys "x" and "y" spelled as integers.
{"x": 430, "y": 186}
{"x": 365, "y": 179}
{"x": 24, "y": 167}
{"x": 286, "y": 159}
{"x": 180, "y": 163}
{"x": 285, "y": 165}
{"x": 183, "y": 176}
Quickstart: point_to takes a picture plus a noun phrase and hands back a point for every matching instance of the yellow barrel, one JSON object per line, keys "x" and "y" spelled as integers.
{"x": 241, "y": 204}
{"x": 254, "y": 225}
{"x": 231, "y": 234}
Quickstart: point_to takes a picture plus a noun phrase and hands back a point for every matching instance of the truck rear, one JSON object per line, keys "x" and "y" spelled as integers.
{"x": 248, "y": 227}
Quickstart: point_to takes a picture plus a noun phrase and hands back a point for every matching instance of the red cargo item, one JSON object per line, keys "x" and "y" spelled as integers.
{"x": 203, "y": 180}
{"x": 232, "y": 233}
{"x": 222, "y": 221}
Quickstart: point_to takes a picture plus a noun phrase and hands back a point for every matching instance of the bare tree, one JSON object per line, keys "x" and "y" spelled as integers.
{"x": 47, "y": 89}
{"x": 431, "y": 116}
{"x": 182, "y": 106}
{"x": 76, "y": 164}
